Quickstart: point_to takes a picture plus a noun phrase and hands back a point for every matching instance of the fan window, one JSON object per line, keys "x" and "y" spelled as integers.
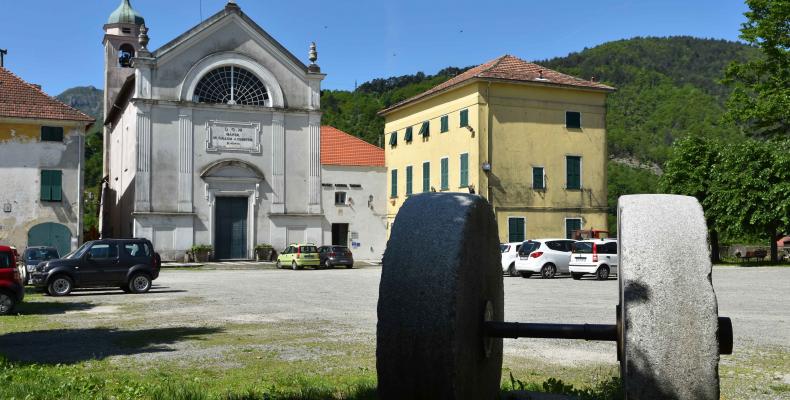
{"x": 231, "y": 85}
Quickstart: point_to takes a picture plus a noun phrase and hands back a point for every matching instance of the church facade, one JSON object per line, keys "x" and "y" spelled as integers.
{"x": 213, "y": 139}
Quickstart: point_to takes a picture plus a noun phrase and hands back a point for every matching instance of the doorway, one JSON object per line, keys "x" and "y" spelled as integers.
{"x": 230, "y": 234}
{"x": 340, "y": 234}
{"x": 50, "y": 234}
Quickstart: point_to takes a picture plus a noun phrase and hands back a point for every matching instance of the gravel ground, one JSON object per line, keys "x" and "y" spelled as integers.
{"x": 342, "y": 305}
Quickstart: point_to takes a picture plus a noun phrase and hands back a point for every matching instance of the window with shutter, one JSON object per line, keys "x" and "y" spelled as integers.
{"x": 425, "y": 129}
{"x": 571, "y": 225}
{"x": 51, "y": 185}
{"x": 537, "y": 178}
{"x": 408, "y": 135}
{"x": 394, "y": 139}
{"x": 445, "y": 173}
{"x": 464, "y": 170}
{"x": 409, "y": 180}
{"x": 426, "y": 176}
{"x": 573, "y": 120}
{"x": 464, "y": 118}
{"x": 51, "y": 133}
{"x": 394, "y": 183}
{"x": 516, "y": 229}
{"x": 445, "y": 123}
{"x": 573, "y": 172}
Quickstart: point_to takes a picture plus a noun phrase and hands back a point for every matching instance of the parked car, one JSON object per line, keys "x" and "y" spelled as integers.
{"x": 509, "y": 254}
{"x": 298, "y": 256}
{"x": 598, "y": 257}
{"x": 548, "y": 257}
{"x": 12, "y": 292}
{"x": 34, "y": 255}
{"x": 331, "y": 256}
{"x": 130, "y": 264}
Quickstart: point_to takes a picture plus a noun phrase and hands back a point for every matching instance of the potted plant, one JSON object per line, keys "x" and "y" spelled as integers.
{"x": 263, "y": 252}
{"x": 201, "y": 252}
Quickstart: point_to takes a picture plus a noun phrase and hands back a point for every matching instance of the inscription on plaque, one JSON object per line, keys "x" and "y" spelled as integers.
{"x": 233, "y": 136}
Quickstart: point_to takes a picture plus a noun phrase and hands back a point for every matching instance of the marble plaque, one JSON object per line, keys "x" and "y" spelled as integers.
{"x": 233, "y": 136}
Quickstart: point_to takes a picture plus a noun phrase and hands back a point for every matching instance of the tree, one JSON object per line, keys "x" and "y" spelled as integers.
{"x": 760, "y": 101}
{"x": 688, "y": 172}
{"x": 750, "y": 189}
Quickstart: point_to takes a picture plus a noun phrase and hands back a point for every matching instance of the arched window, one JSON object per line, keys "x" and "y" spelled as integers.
{"x": 231, "y": 85}
{"x": 125, "y": 55}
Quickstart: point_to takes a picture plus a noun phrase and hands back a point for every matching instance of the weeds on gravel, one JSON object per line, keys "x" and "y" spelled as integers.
{"x": 608, "y": 389}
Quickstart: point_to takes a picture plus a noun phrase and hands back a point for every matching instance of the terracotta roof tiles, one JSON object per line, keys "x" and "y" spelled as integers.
{"x": 507, "y": 68}
{"x": 19, "y": 99}
{"x": 341, "y": 148}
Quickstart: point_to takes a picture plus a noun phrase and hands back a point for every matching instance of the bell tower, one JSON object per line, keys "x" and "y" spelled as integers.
{"x": 120, "y": 45}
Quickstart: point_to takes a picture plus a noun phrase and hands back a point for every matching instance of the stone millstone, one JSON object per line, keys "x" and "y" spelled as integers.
{"x": 668, "y": 307}
{"x": 440, "y": 268}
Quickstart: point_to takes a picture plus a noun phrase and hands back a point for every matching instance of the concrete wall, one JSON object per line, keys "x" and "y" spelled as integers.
{"x": 366, "y": 218}
{"x": 527, "y": 126}
{"x": 22, "y": 157}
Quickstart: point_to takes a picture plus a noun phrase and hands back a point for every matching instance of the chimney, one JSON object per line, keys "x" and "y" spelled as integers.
{"x": 36, "y": 86}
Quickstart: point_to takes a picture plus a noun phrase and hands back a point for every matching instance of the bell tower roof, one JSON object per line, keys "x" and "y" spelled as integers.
{"x": 125, "y": 14}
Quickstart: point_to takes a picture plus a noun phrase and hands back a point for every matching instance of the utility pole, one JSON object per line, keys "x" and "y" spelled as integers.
{"x": 3, "y": 52}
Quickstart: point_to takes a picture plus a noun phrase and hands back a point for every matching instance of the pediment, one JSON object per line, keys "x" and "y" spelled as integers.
{"x": 232, "y": 169}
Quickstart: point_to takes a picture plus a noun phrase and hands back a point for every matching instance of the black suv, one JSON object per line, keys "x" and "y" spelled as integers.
{"x": 130, "y": 264}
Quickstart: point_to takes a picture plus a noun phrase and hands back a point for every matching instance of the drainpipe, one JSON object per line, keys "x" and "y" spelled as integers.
{"x": 490, "y": 145}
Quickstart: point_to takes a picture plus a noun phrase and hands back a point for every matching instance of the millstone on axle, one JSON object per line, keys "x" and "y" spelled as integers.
{"x": 441, "y": 307}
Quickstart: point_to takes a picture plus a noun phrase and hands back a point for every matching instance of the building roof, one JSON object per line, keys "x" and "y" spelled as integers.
{"x": 340, "y": 148}
{"x": 125, "y": 14}
{"x": 507, "y": 68}
{"x": 19, "y": 99}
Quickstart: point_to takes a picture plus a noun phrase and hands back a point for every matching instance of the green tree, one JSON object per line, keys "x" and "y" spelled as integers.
{"x": 688, "y": 172}
{"x": 750, "y": 190}
{"x": 622, "y": 180}
{"x": 760, "y": 101}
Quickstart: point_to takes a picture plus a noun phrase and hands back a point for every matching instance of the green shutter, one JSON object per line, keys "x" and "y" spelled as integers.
{"x": 394, "y": 139}
{"x": 394, "y": 188}
{"x": 572, "y": 224}
{"x": 426, "y": 177}
{"x": 464, "y": 170}
{"x": 407, "y": 136}
{"x": 445, "y": 173}
{"x": 573, "y": 172}
{"x": 408, "y": 180}
{"x": 537, "y": 178}
{"x": 46, "y": 190}
{"x": 515, "y": 230}
{"x": 425, "y": 129}
{"x": 51, "y": 134}
{"x": 57, "y": 185}
{"x": 464, "y": 118}
{"x": 573, "y": 120}
{"x": 445, "y": 123}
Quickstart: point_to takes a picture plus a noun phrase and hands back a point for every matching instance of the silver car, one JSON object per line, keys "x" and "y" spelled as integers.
{"x": 37, "y": 254}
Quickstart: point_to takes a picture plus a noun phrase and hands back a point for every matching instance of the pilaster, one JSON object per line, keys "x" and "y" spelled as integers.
{"x": 278, "y": 162}
{"x": 185, "y": 159}
{"x": 142, "y": 181}
{"x": 314, "y": 168}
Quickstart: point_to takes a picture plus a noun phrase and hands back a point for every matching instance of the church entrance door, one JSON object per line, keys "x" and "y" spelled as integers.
{"x": 230, "y": 234}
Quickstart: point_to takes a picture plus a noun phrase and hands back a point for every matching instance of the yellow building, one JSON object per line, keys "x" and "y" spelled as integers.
{"x": 530, "y": 140}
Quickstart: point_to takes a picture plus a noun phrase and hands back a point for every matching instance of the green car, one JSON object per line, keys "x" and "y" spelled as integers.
{"x": 299, "y": 256}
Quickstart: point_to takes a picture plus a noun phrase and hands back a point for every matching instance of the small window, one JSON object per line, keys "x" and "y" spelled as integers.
{"x": 445, "y": 123}
{"x": 571, "y": 225}
{"x": 104, "y": 250}
{"x": 407, "y": 137}
{"x": 340, "y": 198}
{"x": 126, "y": 30}
{"x": 425, "y": 129}
{"x": 426, "y": 176}
{"x": 51, "y": 185}
{"x": 464, "y": 118}
{"x": 573, "y": 172}
{"x": 355, "y": 186}
{"x": 394, "y": 183}
{"x": 573, "y": 120}
{"x": 516, "y": 229}
{"x": 409, "y": 177}
{"x": 445, "y": 172}
{"x": 394, "y": 139}
{"x": 464, "y": 170}
{"x": 537, "y": 178}
{"x": 51, "y": 133}
{"x": 327, "y": 185}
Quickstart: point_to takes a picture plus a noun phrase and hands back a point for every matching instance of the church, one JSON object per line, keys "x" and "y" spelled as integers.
{"x": 212, "y": 139}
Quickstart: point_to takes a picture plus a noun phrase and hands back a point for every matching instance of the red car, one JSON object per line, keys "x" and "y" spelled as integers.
{"x": 11, "y": 289}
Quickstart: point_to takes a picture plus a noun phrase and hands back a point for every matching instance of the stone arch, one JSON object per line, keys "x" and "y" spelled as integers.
{"x": 50, "y": 234}
{"x": 222, "y": 59}
{"x": 232, "y": 168}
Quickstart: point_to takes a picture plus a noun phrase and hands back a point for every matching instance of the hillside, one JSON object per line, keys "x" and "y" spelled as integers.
{"x": 87, "y": 99}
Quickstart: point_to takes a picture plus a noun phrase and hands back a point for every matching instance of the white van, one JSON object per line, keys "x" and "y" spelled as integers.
{"x": 596, "y": 256}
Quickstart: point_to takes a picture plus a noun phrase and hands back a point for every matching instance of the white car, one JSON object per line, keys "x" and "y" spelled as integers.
{"x": 509, "y": 254}
{"x": 548, "y": 257}
{"x": 596, "y": 256}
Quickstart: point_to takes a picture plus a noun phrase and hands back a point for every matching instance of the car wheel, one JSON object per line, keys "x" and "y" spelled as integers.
{"x": 349, "y": 266}
{"x": 548, "y": 271}
{"x": 511, "y": 270}
{"x": 60, "y": 286}
{"x": 139, "y": 283}
{"x": 278, "y": 265}
{"x": 7, "y": 302}
{"x": 602, "y": 274}
{"x": 576, "y": 276}
{"x": 327, "y": 264}
{"x": 294, "y": 266}
{"x": 525, "y": 275}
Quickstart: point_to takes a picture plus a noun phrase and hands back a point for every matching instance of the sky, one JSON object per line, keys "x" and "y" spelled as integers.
{"x": 58, "y": 44}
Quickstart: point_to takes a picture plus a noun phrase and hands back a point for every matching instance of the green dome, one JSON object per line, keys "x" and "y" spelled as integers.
{"x": 125, "y": 14}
